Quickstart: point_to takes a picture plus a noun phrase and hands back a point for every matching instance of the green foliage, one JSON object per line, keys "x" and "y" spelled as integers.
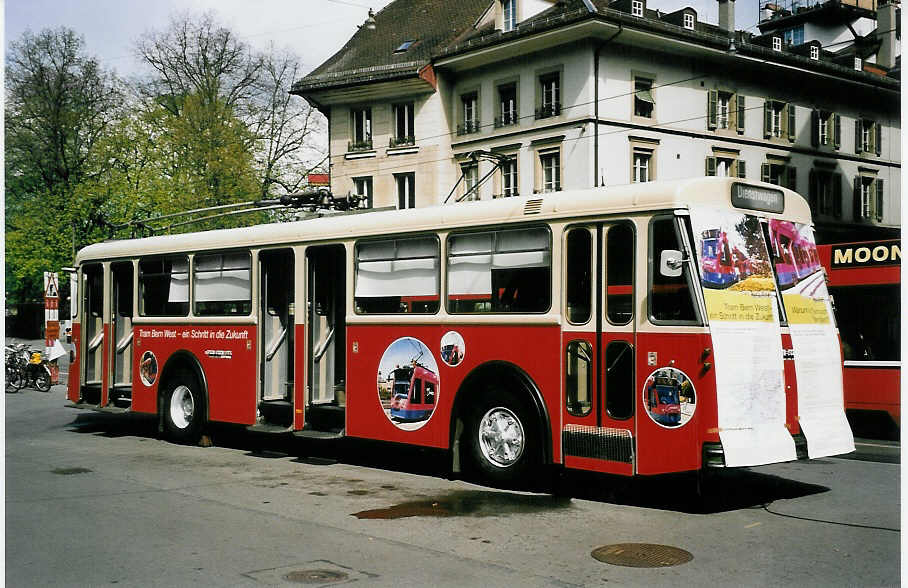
{"x": 212, "y": 125}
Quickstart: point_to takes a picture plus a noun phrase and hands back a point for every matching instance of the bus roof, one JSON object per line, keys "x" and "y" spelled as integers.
{"x": 627, "y": 199}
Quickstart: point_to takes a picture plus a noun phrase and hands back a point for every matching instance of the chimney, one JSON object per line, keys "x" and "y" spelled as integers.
{"x": 727, "y": 15}
{"x": 885, "y": 27}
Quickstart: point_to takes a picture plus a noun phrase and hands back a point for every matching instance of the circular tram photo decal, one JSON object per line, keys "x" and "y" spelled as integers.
{"x": 408, "y": 384}
{"x": 148, "y": 368}
{"x": 669, "y": 397}
{"x": 453, "y": 348}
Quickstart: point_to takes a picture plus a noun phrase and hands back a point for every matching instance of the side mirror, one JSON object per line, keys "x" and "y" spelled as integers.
{"x": 670, "y": 263}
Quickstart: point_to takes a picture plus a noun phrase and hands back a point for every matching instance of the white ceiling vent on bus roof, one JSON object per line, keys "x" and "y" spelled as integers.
{"x": 533, "y": 206}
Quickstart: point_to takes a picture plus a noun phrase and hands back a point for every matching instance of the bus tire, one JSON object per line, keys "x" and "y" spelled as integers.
{"x": 184, "y": 408}
{"x": 503, "y": 438}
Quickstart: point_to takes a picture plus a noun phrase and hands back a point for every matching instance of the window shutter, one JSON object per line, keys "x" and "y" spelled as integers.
{"x": 837, "y": 195}
{"x": 792, "y": 178}
{"x": 712, "y": 109}
{"x": 710, "y": 166}
{"x": 878, "y": 204}
{"x": 812, "y": 191}
{"x": 767, "y": 118}
{"x": 857, "y": 199}
{"x": 792, "y": 126}
{"x": 739, "y": 99}
{"x": 764, "y": 172}
{"x": 741, "y": 171}
{"x": 815, "y": 128}
{"x": 857, "y": 135}
{"x": 878, "y": 138}
{"x": 836, "y": 131}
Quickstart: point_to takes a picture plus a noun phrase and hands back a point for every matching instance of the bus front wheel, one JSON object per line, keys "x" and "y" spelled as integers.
{"x": 502, "y": 439}
{"x": 184, "y": 409}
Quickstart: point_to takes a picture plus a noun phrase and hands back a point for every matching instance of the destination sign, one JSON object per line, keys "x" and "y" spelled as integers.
{"x": 756, "y": 198}
{"x": 869, "y": 254}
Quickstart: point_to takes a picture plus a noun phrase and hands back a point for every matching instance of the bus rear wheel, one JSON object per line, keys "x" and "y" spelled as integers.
{"x": 184, "y": 409}
{"x": 503, "y": 439}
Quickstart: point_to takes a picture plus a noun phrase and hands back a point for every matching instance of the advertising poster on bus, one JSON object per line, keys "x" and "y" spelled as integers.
{"x": 740, "y": 297}
{"x": 821, "y": 412}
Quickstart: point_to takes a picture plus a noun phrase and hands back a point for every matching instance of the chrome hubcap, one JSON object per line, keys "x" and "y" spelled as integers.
{"x": 501, "y": 437}
{"x": 182, "y": 407}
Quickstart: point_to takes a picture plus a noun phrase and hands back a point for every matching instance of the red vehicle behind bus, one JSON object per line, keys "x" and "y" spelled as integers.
{"x": 865, "y": 286}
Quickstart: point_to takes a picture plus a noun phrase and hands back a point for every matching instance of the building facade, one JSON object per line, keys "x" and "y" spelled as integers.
{"x": 498, "y": 98}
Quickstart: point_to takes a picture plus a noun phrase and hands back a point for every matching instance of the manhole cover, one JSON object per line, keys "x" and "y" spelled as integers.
{"x": 315, "y": 576}
{"x": 642, "y": 555}
{"x": 70, "y": 471}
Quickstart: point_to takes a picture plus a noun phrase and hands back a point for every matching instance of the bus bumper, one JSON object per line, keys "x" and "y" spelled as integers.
{"x": 714, "y": 455}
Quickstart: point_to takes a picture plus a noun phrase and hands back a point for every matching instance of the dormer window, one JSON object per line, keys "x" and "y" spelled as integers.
{"x": 814, "y": 52}
{"x": 858, "y": 66}
{"x": 637, "y": 8}
{"x": 688, "y": 21}
{"x": 777, "y": 43}
{"x": 404, "y": 46}
{"x": 510, "y": 14}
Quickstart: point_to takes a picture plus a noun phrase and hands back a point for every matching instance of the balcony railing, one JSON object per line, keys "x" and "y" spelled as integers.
{"x": 548, "y": 110}
{"x": 401, "y": 141}
{"x": 364, "y": 145}
{"x": 507, "y": 118}
{"x": 468, "y": 126}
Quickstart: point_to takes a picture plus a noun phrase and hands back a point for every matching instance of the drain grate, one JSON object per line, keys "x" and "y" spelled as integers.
{"x": 641, "y": 555}
{"x": 70, "y": 471}
{"x": 315, "y": 576}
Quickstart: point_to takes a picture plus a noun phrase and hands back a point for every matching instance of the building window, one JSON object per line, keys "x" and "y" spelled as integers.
{"x": 867, "y": 136}
{"x": 779, "y": 120}
{"x": 362, "y": 129}
{"x": 509, "y": 186}
{"x": 725, "y": 166}
{"x": 814, "y": 52}
{"x": 825, "y": 128}
{"x": 777, "y": 43}
{"x": 470, "y": 172}
{"x": 403, "y": 125}
{"x": 362, "y": 187}
{"x": 642, "y": 165}
{"x": 637, "y": 7}
{"x": 825, "y": 193}
{"x": 793, "y": 36}
{"x": 507, "y": 105}
{"x": 688, "y": 21}
{"x": 725, "y": 110}
{"x": 868, "y": 198}
{"x": 510, "y": 15}
{"x": 406, "y": 190}
{"x": 550, "y": 165}
{"x": 643, "y": 97}
{"x": 469, "y": 114}
{"x": 780, "y": 174}
{"x": 550, "y": 95}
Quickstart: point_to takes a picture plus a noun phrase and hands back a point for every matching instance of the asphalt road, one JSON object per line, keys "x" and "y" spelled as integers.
{"x": 96, "y": 499}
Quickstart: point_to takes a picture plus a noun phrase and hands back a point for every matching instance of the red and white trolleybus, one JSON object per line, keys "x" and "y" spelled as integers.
{"x": 584, "y": 334}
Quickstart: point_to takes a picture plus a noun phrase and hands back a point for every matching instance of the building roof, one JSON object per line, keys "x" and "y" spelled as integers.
{"x": 442, "y": 29}
{"x": 373, "y": 53}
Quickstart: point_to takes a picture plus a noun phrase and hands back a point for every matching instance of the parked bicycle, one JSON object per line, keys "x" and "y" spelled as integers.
{"x": 16, "y": 361}
{"x": 27, "y": 368}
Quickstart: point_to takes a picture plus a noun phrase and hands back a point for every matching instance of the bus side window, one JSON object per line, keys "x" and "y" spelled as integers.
{"x": 397, "y": 276}
{"x": 578, "y": 277}
{"x": 620, "y": 274}
{"x": 670, "y": 298}
{"x": 619, "y": 380}
{"x": 579, "y": 378}
{"x": 164, "y": 286}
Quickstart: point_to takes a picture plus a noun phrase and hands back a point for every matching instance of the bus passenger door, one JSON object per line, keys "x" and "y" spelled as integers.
{"x": 276, "y": 317}
{"x": 326, "y": 341}
{"x": 92, "y": 333}
{"x": 120, "y": 392}
{"x": 599, "y": 421}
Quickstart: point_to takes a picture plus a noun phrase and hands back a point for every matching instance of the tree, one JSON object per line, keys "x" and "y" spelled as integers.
{"x": 197, "y": 62}
{"x": 59, "y": 103}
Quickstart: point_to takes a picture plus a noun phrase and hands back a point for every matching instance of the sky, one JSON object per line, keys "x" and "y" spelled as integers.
{"x": 312, "y": 29}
